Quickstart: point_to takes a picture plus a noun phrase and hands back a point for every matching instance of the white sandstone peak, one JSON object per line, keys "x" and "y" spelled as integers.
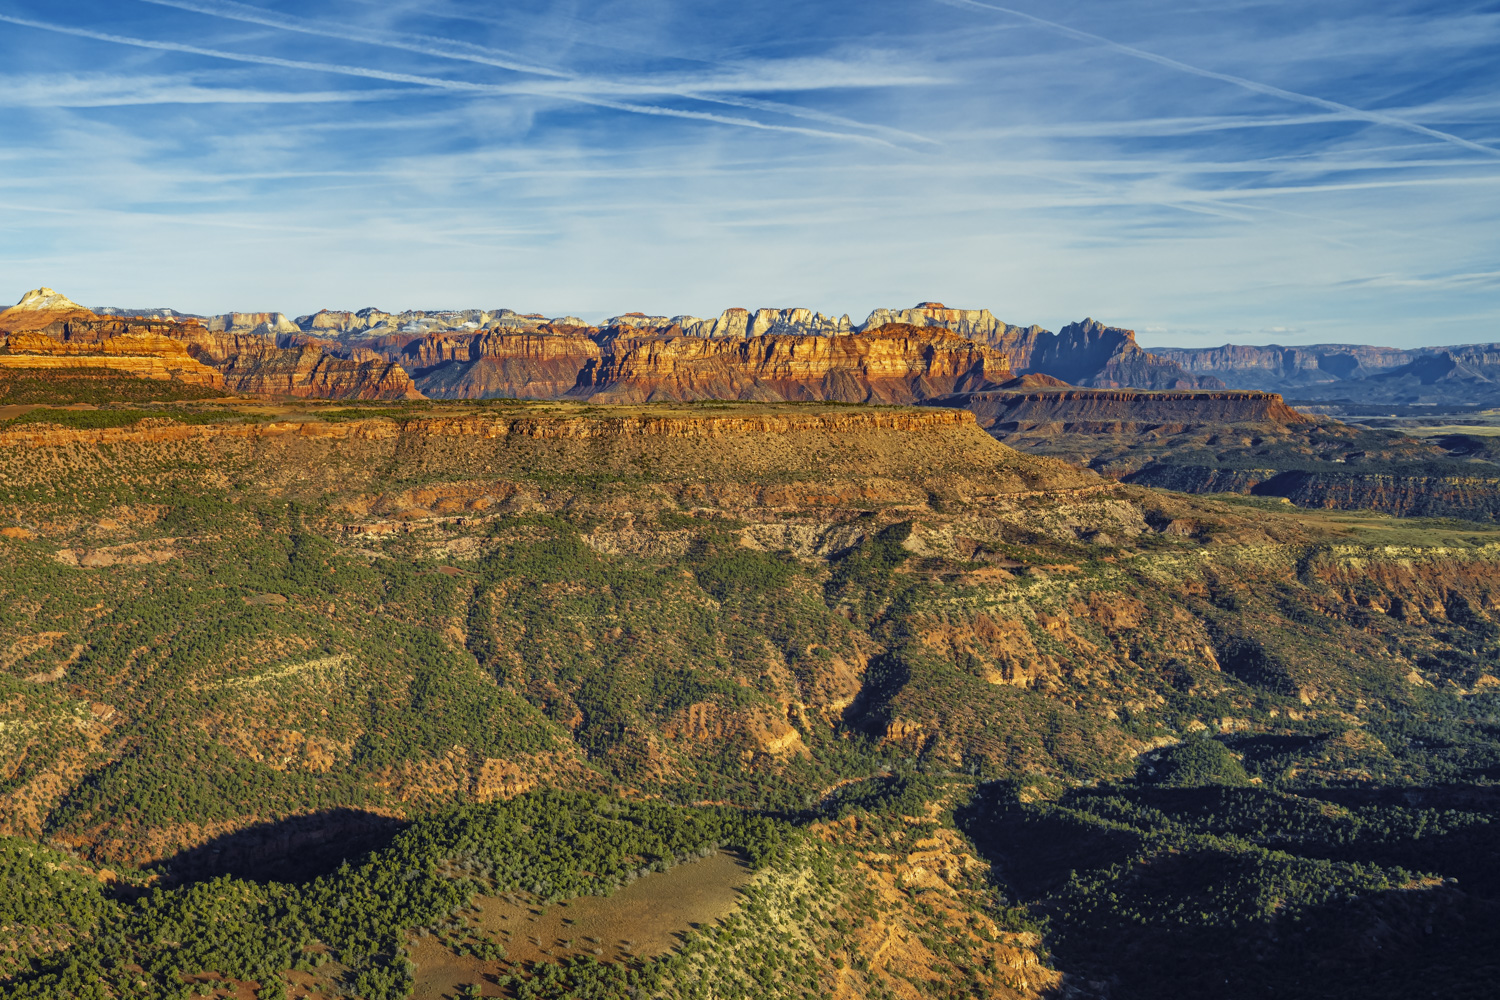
{"x": 44, "y": 300}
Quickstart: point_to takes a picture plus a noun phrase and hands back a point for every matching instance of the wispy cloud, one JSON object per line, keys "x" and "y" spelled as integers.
{"x": 788, "y": 75}
{"x": 440, "y": 83}
{"x": 112, "y": 90}
{"x": 681, "y": 157}
{"x": 1254, "y": 86}
{"x": 428, "y": 45}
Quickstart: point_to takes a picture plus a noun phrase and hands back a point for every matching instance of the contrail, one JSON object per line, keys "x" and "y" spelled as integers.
{"x": 1374, "y": 117}
{"x": 444, "y": 48}
{"x": 426, "y": 45}
{"x": 462, "y": 86}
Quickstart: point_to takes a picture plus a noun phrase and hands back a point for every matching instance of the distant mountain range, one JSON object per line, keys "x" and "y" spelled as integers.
{"x": 1467, "y": 374}
{"x": 459, "y": 353}
{"x": 454, "y": 353}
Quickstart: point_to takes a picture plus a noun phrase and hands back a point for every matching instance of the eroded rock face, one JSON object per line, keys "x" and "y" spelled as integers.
{"x": 311, "y": 372}
{"x": 1091, "y": 354}
{"x": 144, "y": 349}
{"x": 544, "y": 365}
{"x": 896, "y": 364}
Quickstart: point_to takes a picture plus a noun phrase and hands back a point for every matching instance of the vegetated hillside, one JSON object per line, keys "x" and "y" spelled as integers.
{"x": 245, "y": 642}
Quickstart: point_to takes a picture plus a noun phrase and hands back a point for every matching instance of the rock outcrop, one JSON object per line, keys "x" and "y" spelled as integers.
{"x": 979, "y": 324}
{"x": 741, "y": 323}
{"x": 38, "y": 308}
{"x": 1091, "y": 354}
{"x": 327, "y": 321}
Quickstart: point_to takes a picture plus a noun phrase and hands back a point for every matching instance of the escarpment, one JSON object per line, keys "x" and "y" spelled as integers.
{"x": 309, "y": 371}
{"x": 541, "y": 365}
{"x": 241, "y": 362}
{"x": 835, "y": 453}
{"x": 1121, "y": 409}
{"x": 895, "y": 364}
{"x": 143, "y": 349}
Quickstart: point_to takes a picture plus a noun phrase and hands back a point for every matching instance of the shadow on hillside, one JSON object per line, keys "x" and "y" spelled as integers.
{"x": 295, "y": 849}
{"x": 1132, "y": 918}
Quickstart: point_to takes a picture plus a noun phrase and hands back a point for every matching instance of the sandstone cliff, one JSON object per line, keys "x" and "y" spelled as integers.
{"x": 144, "y": 349}
{"x": 1091, "y": 354}
{"x": 243, "y": 362}
{"x": 895, "y": 364}
{"x": 783, "y": 353}
{"x": 309, "y": 371}
{"x": 543, "y": 365}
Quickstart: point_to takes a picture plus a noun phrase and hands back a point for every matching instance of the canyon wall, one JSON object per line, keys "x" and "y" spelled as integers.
{"x": 145, "y": 350}
{"x": 896, "y": 364}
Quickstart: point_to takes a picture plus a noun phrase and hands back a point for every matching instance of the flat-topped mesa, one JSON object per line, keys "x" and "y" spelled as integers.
{"x": 1121, "y": 409}
{"x": 737, "y": 455}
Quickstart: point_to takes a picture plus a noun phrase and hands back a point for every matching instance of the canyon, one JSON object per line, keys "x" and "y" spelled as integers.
{"x": 893, "y": 664}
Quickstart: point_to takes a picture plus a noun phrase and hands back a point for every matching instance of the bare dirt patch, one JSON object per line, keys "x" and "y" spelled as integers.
{"x": 643, "y": 920}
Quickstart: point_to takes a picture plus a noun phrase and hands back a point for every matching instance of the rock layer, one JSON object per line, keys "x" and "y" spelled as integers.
{"x": 1123, "y": 407}
{"x": 895, "y": 364}
{"x": 141, "y": 349}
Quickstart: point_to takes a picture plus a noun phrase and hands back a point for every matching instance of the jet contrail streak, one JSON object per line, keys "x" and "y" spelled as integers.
{"x": 462, "y": 86}
{"x": 1374, "y": 117}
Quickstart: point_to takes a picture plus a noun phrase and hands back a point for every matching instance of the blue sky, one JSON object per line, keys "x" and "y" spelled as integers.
{"x": 1201, "y": 171}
